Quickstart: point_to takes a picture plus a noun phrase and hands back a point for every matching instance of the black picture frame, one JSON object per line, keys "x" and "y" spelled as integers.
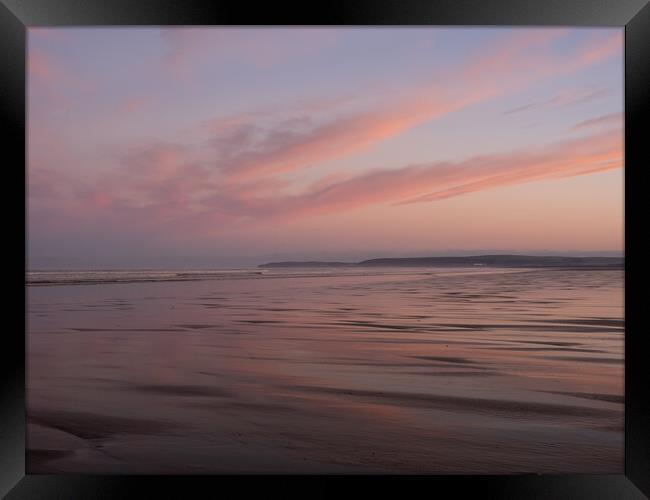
{"x": 634, "y": 15}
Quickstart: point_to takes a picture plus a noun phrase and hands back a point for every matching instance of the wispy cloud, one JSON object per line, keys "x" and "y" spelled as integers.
{"x": 439, "y": 180}
{"x": 612, "y": 119}
{"x": 255, "y": 149}
{"x": 563, "y": 99}
{"x": 232, "y": 171}
{"x": 162, "y": 184}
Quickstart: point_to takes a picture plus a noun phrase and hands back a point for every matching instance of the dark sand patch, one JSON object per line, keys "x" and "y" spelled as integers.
{"x": 38, "y": 457}
{"x": 125, "y": 329}
{"x": 105, "y": 380}
{"x": 588, "y": 321}
{"x": 227, "y": 332}
{"x": 559, "y": 326}
{"x": 612, "y": 428}
{"x": 214, "y": 346}
{"x": 406, "y": 341}
{"x": 247, "y": 406}
{"x": 211, "y": 374}
{"x": 613, "y": 361}
{"x": 380, "y": 326}
{"x": 260, "y": 321}
{"x": 371, "y": 340}
{"x": 610, "y": 398}
{"x": 194, "y": 326}
{"x": 281, "y": 309}
{"x": 95, "y": 426}
{"x": 446, "y": 359}
{"x": 551, "y": 343}
{"x": 182, "y": 390}
{"x": 346, "y": 362}
{"x": 543, "y": 349}
{"x": 501, "y": 407}
{"x": 456, "y": 373}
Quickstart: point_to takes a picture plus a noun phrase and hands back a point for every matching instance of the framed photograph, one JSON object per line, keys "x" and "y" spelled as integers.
{"x": 391, "y": 243}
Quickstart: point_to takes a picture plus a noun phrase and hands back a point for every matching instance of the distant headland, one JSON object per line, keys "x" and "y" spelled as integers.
{"x": 475, "y": 260}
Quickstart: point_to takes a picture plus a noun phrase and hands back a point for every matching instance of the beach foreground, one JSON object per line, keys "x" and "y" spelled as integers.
{"x": 475, "y": 371}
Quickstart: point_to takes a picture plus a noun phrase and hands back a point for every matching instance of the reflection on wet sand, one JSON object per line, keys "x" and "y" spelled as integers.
{"x": 469, "y": 372}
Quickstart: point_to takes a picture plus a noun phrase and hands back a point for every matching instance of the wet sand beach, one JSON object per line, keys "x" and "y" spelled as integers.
{"x": 480, "y": 371}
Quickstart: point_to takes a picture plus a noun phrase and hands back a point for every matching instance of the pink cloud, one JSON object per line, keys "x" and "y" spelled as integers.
{"x": 162, "y": 188}
{"x": 175, "y": 186}
{"x": 286, "y": 147}
{"x": 256, "y": 148}
{"x": 439, "y": 180}
{"x": 419, "y": 183}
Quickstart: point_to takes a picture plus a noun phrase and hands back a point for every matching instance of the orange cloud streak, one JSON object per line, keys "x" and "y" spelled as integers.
{"x": 435, "y": 181}
{"x": 523, "y": 59}
{"x": 161, "y": 186}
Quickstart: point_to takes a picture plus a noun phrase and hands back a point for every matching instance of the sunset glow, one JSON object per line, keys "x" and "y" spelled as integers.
{"x": 238, "y": 145}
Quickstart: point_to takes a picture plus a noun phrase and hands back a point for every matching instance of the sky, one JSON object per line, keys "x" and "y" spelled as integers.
{"x": 227, "y": 147}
